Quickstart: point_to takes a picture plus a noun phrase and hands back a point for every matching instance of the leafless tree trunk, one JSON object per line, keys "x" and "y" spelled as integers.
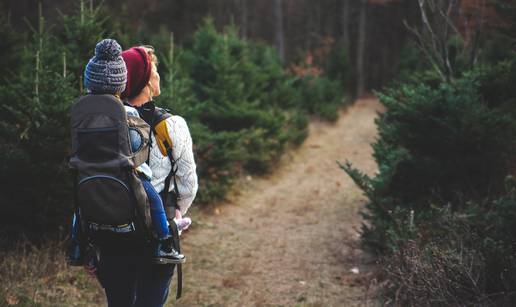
{"x": 345, "y": 22}
{"x": 361, "y": 44}
{"x": 436, "y": 30}
{"x": 244, "y": 18}
{"x": 279, "y": 35}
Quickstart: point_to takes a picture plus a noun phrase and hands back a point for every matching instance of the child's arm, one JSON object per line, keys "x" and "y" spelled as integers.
{"x": 145, "y": 170}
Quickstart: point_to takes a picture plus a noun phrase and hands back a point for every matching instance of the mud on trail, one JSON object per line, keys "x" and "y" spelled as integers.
{"x": 289, "y": 238}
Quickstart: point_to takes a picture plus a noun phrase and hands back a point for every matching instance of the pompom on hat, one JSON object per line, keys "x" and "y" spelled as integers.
{"x": 139, "y": 67}
{"x": 106, "y": 72}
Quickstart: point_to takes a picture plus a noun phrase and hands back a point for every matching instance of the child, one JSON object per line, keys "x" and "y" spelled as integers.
{"x": 106, "y": 74}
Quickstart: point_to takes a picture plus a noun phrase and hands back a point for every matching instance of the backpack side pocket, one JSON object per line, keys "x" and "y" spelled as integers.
{"x": 105, "y": 200}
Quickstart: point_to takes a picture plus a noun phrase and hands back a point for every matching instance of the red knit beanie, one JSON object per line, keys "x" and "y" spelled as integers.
{"x": 139, "y": 68}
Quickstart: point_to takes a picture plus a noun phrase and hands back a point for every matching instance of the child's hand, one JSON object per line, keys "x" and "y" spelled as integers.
{"x": 182, "y": 222}
{"x": 178, "y": 215}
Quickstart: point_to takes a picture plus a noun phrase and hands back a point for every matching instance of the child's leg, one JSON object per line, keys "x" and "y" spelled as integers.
{"x": 75, "y": 251}
{"x": 75, "y": 227}
{"x": 159, "y": 218}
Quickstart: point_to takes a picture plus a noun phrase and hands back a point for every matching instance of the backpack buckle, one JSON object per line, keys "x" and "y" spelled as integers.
{"x": 125, "y": 228}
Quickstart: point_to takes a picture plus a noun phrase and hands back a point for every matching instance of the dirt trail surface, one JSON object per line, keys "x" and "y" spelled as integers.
{"x": 290, "y": 238}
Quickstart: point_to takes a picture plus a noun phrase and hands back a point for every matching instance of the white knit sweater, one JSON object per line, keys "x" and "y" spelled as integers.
{"x": 186, "y": 177}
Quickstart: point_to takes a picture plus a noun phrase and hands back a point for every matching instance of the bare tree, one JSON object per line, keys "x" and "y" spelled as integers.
{"x": 362, "y": 29}
{"x": 244, "y": 18}
{"x": 279, "y": 33}
{"x": 345, "y": 22}
{"x": 438, "y": 20}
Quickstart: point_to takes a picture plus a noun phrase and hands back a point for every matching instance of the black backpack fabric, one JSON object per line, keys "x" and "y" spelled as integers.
{"x": 108, "y": 193}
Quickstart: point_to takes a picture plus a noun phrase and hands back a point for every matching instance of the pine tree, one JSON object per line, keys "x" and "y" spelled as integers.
{"x": 438, "y": 146}
{"x": 237, "y": 100}
{"x": 80, "y": 32}
{"x": 34, "y": 125}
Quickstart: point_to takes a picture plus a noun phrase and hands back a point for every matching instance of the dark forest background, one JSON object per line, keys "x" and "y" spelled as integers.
{"x": 371, "y": 32}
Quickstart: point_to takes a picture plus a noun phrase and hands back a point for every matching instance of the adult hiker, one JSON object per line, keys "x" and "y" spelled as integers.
{"x": 125, "y": 269}
{"x": 143, "y": 83}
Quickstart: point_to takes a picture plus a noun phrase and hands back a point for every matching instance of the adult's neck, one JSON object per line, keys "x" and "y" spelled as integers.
{"x": 139, "y": 100}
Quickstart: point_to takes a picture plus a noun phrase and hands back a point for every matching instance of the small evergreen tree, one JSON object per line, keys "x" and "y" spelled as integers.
{"x": 436, "y": 146}
{"x": 10, "y": 44}
{"x": 80, "y": 31}
{"x": 34, "y": 135}
{"x": 237, "y": 100}
{"x": 35, "y": 138}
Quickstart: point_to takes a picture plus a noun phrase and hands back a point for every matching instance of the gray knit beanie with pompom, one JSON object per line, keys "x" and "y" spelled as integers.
{"x": 106, "y": 72}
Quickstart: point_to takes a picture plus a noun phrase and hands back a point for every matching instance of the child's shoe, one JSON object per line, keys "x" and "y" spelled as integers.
{"x": 165, "y": 253}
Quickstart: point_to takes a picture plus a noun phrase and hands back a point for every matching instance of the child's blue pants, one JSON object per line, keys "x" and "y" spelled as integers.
{"x": 159, "y": 218}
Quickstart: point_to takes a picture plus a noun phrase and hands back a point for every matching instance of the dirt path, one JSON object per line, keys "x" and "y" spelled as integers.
{"x": 289, "y": 238}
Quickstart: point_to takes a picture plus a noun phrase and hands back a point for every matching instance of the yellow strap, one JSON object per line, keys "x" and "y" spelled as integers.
{"x": 163, "y": 136}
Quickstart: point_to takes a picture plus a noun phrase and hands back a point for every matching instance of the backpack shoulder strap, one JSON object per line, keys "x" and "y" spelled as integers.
{"x": 165, "y": 145}
{"x": 179, "y": 267}
{"x": 163, "y": 139}
{"x": 156, "y": 118}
